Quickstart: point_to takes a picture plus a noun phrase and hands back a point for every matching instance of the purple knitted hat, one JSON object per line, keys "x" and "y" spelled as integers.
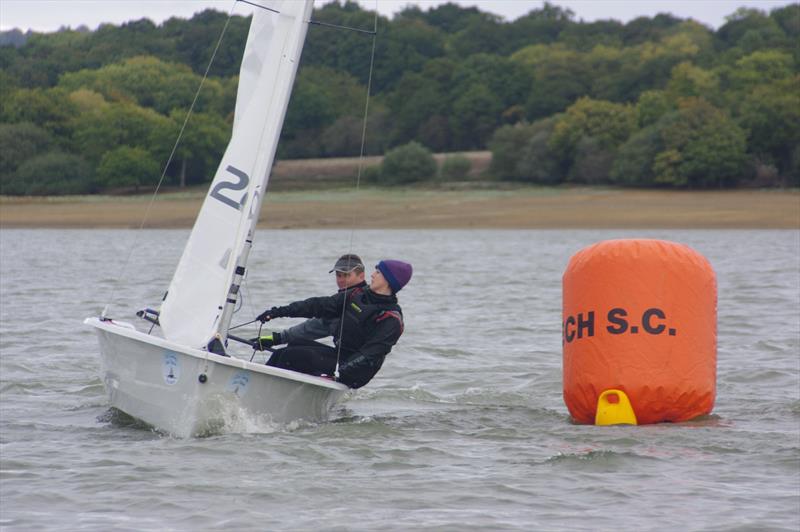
{"x": 396, "y": 272}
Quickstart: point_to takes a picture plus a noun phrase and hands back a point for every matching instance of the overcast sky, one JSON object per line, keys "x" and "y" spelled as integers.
{"x": 50, "y": 15}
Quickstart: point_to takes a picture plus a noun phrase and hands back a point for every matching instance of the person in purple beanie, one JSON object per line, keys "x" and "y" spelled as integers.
{"x": 371, "y": 324}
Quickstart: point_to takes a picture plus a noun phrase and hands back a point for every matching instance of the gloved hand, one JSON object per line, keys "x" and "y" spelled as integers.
{"x": 261, "y": 343}
{"x": 266, "y": 315}
{"x": 265, "y": 342}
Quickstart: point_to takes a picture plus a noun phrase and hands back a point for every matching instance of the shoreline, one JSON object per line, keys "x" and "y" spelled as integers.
{"x": 515, "y": 207}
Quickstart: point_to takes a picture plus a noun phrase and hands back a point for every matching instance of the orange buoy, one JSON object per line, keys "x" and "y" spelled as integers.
{"x": 640, "y": 317}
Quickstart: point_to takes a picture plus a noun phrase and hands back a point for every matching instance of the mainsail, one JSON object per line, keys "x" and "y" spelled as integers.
{"x": 203, "y": 291}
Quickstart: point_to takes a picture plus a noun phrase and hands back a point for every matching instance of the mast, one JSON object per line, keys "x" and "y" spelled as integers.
{"x": 217, "y": 343}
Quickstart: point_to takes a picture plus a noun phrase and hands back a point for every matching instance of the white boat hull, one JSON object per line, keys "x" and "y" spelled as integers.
{"x": 188, "y": 392}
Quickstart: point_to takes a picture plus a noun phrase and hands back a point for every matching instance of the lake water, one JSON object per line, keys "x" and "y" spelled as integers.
{"x": 464, "y": 428}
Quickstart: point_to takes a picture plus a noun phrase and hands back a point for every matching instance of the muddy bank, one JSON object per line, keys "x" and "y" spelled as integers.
{"x": 524, "y": 207}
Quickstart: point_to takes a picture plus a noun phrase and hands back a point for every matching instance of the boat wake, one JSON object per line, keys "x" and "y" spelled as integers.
{"x": 119, "y": 419}
{"x": 230, "y": 419}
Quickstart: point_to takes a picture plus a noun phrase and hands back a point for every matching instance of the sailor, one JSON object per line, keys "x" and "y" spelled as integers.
{"x": 349, "y": 270}
{"x": 371, "y": 323}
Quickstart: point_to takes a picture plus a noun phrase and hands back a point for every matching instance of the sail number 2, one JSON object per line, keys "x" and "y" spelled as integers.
{"x": 240, "y": 184}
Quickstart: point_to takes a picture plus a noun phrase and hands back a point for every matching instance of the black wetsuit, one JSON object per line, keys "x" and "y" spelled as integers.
{"x": 314, "y": 328}
{"x": 371, "y": 325}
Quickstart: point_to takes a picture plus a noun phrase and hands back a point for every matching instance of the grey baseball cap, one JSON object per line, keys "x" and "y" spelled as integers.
{"x": 347, "y": 263}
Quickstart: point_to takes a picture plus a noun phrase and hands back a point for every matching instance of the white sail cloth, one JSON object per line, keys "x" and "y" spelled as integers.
{"x": 191, "y": 312}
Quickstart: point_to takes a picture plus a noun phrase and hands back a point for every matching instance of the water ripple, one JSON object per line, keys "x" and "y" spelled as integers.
{"x": 463, "y": 429}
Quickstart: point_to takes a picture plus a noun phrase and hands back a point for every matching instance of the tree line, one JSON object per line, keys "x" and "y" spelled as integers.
{"x": 658, "y": 101}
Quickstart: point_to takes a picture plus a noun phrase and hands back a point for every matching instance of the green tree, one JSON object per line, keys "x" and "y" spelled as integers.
{"x": 447, "y": 77}
{"x": 53, "y": 173}
{"x": 122, "y": 124}
{"x": 421, "y": 105}
{"x": 455, "y": 168}
{"x": 476, "y": 114}
{"x": 112, "y": 44}
{"x": 604, "y": 64}
{"x": 703, "y": 147}
{"x": 49, "y": 109}
{"x": 759, "y": 68}
{"x": 688, "y": 80}
{"x": 609, "y": 124}
{"x": 652, "y": 105}
{"x": 86, "y": 101}
{"x": 200, "y": 148}
{"x": 506, "y": 145}
{"x": 45, "y": 56}
{"x": 697, "y": 145}
{"x": 407, "y": 164}
{"x": 508, "y": 80}
{"x": 771, "y": 116}
{"x": 339, "y": 93}
{"x": 644, "y": 29}
{"x": 321, "y": 96}
{"x": 522, "y": 152}
{"x": 349, "y": 51}
{"x": 149, "y": 82}
{"x": 538, "y": 162}
{"x": 127, "y": 167}
{"x": 482, "y": 34}
{"x": 539, "y": 26}
{"x": 18, "y": 143}
{"x": 749, "y": 30}
{"x": 406, "y": 45}
{"x": 8, "y": 83}
{"x": 633, "y": 164}
{"x": 589, "y": 35}
{"x": 343, "y": 137}
{"x": 192, "y": 42}
{"x": 788, "y": 18}
{"x": 559, "y": 78}
{"x": 592, "y": 162}
{"x": 310, "y": 111}
{"x": 794, "y": 167}
{"x": 649, "y": 65}
{"x": 449, "y": 17}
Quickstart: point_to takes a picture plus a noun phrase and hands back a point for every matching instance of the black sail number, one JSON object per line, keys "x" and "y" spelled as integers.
{"x": 240, "y": 184}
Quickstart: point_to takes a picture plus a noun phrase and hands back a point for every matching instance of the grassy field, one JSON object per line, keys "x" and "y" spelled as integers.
{"x": 417, "y": 208}
{"x": 310, "y": 174}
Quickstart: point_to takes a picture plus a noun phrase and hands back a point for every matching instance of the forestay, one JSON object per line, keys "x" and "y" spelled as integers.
{"x": 202, "y": 293}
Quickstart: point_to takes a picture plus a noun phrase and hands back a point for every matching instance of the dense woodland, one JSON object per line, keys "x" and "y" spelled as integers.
{"x": 658, "y": 101}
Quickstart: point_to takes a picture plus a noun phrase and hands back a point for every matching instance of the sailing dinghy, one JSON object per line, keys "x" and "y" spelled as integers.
{"x": 185, "y": 383}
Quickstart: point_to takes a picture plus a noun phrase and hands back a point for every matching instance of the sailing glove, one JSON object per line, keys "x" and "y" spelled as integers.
{"x": 267, "y": 315}
{"x": 265, "y": 342}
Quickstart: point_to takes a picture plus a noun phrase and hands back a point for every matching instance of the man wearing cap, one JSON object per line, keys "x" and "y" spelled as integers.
{"x": 371, "y": 323}
{"x": 349, "y": 270}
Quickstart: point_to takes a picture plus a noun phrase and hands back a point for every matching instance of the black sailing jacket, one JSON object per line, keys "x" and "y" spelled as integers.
{"x": 372, "y": 324}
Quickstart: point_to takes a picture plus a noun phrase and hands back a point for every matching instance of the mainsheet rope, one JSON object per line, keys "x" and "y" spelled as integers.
{"x": 358, "y": 177}
{"x": 124, "y": 268}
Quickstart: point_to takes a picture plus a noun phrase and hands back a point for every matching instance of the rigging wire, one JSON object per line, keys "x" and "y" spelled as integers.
{"x": 253, "y": 354}
{"x": 358, "y": 175}
{"x": 243, "y": 324}
{"x": 114, "y": 285}
{"x": 340, "y": 27}
{"x": 265, "y": 8}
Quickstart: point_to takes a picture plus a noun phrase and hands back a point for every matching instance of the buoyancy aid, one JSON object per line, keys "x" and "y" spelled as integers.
{"x": 364, "y": 311}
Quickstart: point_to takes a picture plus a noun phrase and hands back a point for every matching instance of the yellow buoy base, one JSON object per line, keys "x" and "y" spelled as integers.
{"x": 614, "y": 408}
